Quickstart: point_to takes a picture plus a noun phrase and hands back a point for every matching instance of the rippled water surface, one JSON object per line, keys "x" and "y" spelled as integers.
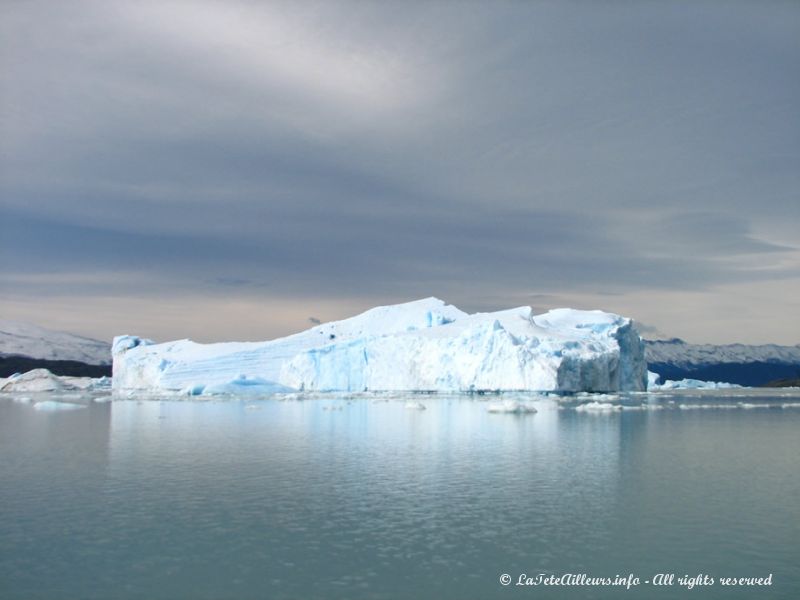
{"x": 365, "y": 497}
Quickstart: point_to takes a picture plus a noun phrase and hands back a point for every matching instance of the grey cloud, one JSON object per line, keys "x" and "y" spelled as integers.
{"x": 486, "y": 152}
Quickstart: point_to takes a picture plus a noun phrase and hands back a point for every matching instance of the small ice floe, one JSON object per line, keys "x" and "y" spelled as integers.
{"x": 790, "y": 405}
{"x": 597, "y": 396}
{"x": 598, "y": 407}
{"x": 252, "y": 407}
{"x": 52, "y": 405}
{"x": 331, "y": 407}
{"x": 103, "y": 399}
{"x": 707, "y": 406}
{"x": 416, "y": 406}
{"x": 23, "y": 399}
{"x": 510, "y": 407}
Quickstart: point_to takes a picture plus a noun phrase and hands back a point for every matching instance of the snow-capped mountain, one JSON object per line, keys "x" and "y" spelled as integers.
{"x": 734, "y": 363}
{"x": 681, "y": 354}
{"x": 25, "y": 339}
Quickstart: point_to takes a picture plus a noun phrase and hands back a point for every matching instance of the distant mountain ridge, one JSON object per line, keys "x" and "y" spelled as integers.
{"x": 19, "y": 339}
{"x": 751, "y": 365}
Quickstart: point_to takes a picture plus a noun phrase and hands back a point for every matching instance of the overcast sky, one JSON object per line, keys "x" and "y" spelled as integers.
{"x": 228, "y": 170}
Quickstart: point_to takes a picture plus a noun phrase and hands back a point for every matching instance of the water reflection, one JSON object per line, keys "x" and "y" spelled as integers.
{"x": 362, "y": 497}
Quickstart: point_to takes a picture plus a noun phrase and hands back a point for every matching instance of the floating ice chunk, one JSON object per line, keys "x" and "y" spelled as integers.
{"x": 598, "y": 407}
{"x": 695, "y": 384}
{"x": 42, "y": 380}
{"x": 604, "y": 397}
{"x": 416, "y": 406}
{"x": 37, "y": 380}
{"x": 103, "y": 399}
{"x": 52, "y": 405}
{"x": 510, "y": 407}
{"x": 721, "y": 406}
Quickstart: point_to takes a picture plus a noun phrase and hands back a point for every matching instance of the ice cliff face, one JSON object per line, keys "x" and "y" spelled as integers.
{"x": 423, "y": 345}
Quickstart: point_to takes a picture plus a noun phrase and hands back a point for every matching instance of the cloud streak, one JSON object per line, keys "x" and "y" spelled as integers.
{"x": 492, "y": 154}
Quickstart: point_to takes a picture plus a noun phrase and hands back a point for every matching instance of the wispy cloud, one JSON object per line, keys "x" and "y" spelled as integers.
{"x": 493, "y": 154}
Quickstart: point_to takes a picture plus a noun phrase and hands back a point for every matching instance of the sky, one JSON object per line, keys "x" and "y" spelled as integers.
{"x": 235, "y": 170}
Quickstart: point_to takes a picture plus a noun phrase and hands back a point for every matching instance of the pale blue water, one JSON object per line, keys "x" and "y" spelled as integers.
{"x": 269, "y": 499}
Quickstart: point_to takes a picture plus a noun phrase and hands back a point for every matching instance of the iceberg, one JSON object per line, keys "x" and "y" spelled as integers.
{"x": 694, "y": 384}
{"x": 42, "y": 380}
{"x": 425, "y": 345}
{"x": 36, "y": 380}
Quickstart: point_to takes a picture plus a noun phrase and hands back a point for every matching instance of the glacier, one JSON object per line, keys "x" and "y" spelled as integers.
{"x": 424, "y": 345}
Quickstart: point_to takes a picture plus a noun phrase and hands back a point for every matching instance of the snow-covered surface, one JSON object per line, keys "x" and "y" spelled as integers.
{"x": 26, "y": 339}
{"x": 693, "y": 384}
{"x": 423, "y": 345}
{"x": 679, "y": 353}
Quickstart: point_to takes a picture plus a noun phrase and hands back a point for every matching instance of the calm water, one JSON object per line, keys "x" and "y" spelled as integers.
{"x": 290, "y": 499}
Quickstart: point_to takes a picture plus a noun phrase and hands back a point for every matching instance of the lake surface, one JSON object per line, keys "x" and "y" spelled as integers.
{"x": 362, "y": 497}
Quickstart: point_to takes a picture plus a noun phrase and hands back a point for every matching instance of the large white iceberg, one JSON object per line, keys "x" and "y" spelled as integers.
{"x": 425, "y": 345}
